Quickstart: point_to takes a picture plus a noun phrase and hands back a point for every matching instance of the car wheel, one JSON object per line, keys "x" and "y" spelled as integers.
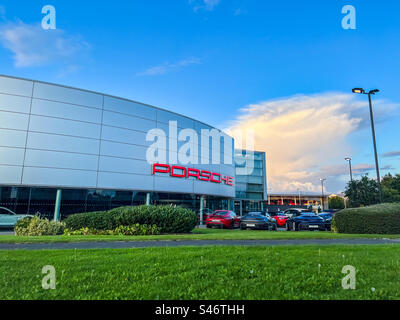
{"x": 275, "y": 228}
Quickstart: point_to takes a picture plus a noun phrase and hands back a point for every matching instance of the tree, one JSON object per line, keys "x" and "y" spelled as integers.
{"x": 363, "y": 192}
{"x": 336, "y": 202}
{"x": 391, "y": 188}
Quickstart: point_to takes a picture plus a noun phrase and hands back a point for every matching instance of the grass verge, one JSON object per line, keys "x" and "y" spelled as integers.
{"x": 301, "y": 272}
{"x": 200, "y": 234}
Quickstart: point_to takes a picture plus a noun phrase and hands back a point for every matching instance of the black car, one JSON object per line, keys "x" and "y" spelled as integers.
{"x": 327, "y": 216}
{"x": 257, "y": 221}
{"x": 305, "y": 221}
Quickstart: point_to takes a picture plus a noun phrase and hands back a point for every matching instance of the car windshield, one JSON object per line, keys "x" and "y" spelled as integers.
{"x": 220, "y": 213}
{"x": 254, "y": 214}
{"x": 5, "y": 211}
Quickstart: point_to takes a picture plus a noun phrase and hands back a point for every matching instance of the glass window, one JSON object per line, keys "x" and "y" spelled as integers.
{"x": 42, "y": 200}
{"x": 99, "y": 200}
{"x": 121, "y": 199}
{"x": 73, "y": 201}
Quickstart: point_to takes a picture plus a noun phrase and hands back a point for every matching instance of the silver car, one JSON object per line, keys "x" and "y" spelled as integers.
{"x": 8, "y": 219}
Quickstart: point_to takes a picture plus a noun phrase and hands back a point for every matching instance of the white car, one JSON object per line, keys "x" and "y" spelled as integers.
{"x": 8, "y": 218}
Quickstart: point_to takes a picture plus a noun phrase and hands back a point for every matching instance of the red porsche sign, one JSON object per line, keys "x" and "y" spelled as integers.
{"x": 182, "y": 172}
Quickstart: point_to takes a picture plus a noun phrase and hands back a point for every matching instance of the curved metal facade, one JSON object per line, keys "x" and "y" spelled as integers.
{"x": 62, "y": 137}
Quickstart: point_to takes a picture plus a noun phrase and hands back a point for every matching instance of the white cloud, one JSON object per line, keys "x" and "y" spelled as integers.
{"x": 204, "y": 4}
{"x": 305, "y": 137}
{"x": 33, "y": 46}
{"x": 167, "y": 67}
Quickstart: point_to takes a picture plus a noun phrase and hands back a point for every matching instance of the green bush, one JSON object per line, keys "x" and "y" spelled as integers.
{"x": 376, "y": 219}
{"x": 134, "y": 230}
{"x": 37, "y": 226}
{"x": 167, "y": 218}
{"x": 101, "y": 220}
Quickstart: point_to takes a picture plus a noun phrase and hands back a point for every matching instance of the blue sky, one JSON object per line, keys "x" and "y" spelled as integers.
{"x": 209, "y": 59}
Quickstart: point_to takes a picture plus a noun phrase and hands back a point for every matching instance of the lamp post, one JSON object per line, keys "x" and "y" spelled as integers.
{"x": 322, "y": 188}
{"x": 298, "y": 190}
{"x": 351, "y": 174}
{"x": 370, "y": 93}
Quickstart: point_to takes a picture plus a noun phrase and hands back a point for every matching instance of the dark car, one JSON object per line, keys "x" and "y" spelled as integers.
{"x": 223, "y": 219}
{"x": 327, "y": 216}
{"x": 257, "y": 221}
{"x": 305, "y": 221}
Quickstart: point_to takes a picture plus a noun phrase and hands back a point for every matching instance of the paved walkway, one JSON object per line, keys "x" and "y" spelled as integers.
{"x": 197, "y": 243}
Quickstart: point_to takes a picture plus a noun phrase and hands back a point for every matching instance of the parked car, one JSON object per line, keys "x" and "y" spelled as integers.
{"x": 258, "y": 220}
{"x": 305, "y": 221}
{"x": 8, "y": 218}
{"x": 280, "y": 218}
{"x": 223, "y": 219}
{"x": 294, "y": 211}
{"x": 327, "y": 216}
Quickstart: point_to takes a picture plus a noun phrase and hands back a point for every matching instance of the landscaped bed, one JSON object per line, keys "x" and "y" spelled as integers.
{"x": 301, "y": 272}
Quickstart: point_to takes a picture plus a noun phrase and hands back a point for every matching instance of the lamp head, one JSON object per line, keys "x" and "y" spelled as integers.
{"x": 358, "y": 90}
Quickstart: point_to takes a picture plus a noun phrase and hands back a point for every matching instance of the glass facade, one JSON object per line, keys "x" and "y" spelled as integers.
{"x": 24, "y": 200}
{"x": 250, "y": 175}
{"x": 251, "y": 184}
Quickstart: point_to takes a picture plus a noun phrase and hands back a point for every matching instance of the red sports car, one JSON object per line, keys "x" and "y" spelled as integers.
{"x": 280, "y": 218}
{"x": 223, "y": 219}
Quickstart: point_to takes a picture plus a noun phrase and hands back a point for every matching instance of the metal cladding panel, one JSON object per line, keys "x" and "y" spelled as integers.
{"x": 10, "y": 175}
{"x": 59, "y": 177}
{"x": 126, "y": 181}
{"x": 11, "y": 156}
{"x": 57, "y": 136}
{"x": 14, "y": 103}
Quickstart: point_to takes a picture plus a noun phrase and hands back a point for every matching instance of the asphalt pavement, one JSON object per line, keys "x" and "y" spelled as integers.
{"x": 196, "y": 243}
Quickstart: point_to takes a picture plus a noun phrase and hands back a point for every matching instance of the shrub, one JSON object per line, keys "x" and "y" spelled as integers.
{"x": 134, "y": 230}
{"x": 167, "y": 218}
{"x": 37, "y": 226}
{"x": 137, "y": 230}
{"x": 376, "y": 219}
{"x": 101, "y": 220}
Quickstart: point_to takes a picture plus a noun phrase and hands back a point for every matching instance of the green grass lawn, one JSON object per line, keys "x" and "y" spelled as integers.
{"x": 301, "y": 272}
{"x": 200, "y": 234}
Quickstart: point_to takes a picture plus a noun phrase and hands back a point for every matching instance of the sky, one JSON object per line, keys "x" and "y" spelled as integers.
{"x": 283, "y": 69}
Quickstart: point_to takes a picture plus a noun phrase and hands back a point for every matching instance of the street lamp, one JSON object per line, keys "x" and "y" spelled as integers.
{"x": 351, "y": 174}
{"x": 322, "y": 188}
{"x": 298, "y": 190}
{"x": 372, "y": 92}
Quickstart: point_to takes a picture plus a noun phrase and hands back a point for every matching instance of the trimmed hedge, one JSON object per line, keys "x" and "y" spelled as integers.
{"x": 169, "y": 219}
{"x": 376, "y": 219}
{"x": 100, "y": 220}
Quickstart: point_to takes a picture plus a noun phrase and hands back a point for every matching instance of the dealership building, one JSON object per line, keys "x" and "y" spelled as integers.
{"x": 65, "y": 150}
